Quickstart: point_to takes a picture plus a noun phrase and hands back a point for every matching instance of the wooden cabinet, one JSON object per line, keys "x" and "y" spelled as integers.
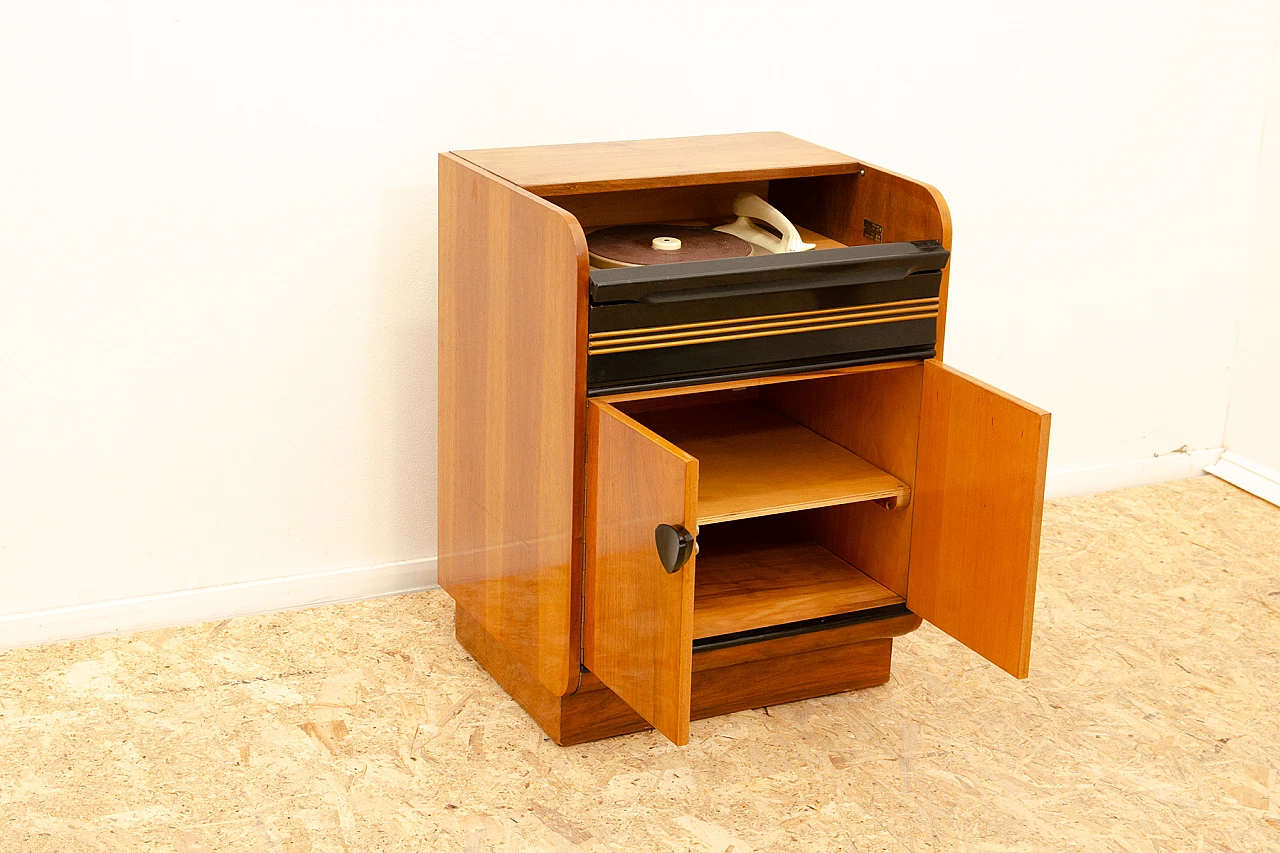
{"x": 814, "y": 505}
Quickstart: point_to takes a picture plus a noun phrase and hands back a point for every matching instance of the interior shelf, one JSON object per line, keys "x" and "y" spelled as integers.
{"x": 750, "y": 579}
{"x": 753, "y": 461}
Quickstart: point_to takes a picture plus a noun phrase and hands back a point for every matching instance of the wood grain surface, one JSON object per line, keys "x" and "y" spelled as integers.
{"x": 828, "y": 638}
{"x": 754, "y": 461}
{"x": 877, "y": 416}
{"x": 638, "y": 630}
{"x": 772, "y": 575}
{"x": 685, "y": 401}
{"x": 659, "y": 204}
{"x": 627, "y": 398}
{"x": 594, "y": 712}
{"x": 501, "y": 662}
{"x": 512, "y": 424}
{"x": 788, "y": 678}
{"x": 551, "y": 170}
{"x": 978, "y": 500}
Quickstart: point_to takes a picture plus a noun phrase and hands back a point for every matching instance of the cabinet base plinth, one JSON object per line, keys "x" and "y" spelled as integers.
{"x": 725, "y": 680}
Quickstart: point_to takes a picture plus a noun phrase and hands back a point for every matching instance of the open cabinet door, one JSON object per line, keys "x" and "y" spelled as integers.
{"x": 979, "y": 493}
{"x": 638, "y": 624}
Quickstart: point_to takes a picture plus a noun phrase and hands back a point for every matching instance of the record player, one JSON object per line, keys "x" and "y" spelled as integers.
{"x": 673, "y": 303}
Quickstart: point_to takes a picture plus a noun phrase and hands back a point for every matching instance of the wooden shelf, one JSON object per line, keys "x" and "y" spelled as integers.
{"x": 753, "y": 461}
{"x": 745, "y": 580}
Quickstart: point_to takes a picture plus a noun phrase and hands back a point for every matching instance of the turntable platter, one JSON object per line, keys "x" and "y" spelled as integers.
{"x": 655, "y": 243}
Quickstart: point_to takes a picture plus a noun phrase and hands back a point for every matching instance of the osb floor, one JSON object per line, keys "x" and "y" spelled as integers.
{"x": 1151, "y": 722}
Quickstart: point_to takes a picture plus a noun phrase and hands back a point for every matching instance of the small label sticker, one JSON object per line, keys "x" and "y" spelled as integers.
{"x": 872, "y": 231}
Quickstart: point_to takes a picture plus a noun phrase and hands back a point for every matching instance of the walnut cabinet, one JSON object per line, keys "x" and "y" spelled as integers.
{"x": 812, "y": 509}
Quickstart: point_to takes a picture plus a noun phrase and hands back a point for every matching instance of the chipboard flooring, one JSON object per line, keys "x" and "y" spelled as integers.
{"x": 1150, "y": 722}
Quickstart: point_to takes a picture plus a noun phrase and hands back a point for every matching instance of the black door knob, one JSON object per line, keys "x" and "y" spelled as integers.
{"x": 675, "y": 546}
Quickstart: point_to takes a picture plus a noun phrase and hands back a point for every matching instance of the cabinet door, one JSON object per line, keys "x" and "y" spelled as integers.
{"x": 638, "y": 636}
{"x": 975, "y": 537}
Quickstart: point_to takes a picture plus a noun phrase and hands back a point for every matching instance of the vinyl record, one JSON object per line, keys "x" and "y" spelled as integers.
{"x": 644, "y": 245}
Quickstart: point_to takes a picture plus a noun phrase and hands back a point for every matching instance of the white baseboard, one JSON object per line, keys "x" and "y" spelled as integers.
{"x": 1120, "y": 475}
{"x": 1246, "y": 474}
{"x": 191, "y": 606}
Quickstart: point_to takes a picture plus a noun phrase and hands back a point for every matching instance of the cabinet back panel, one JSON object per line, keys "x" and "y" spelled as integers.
{"x": 661, "y": 204}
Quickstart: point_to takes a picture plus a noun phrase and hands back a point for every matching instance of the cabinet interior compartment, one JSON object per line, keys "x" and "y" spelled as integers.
{"x": 832, "y": 211}
{"x": 765, "y": 572}
{"x": 803, "y": 502}
{"x": 753, "y": 461}
{"x": 701, "y": 204}
{"x": 876, "y": 415}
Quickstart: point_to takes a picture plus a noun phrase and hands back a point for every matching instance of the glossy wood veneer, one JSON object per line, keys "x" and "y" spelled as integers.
{"x": 692, "y": 393}
{"x": 983, "y": 456}
{"x": 637, "y": 621}
{"x": 552, "y": 170}
{"x": 512, "y": 425}
{"x": 725, "y": 680}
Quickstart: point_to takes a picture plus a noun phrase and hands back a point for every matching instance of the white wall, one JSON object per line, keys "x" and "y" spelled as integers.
{"x": 218, "y": 240}
{"x": 1253, "y": 421}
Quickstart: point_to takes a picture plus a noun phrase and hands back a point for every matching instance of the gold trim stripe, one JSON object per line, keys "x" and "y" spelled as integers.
{"x": 707, "y": 324}
{"x": 751, "y": 324}
{"x": 614, "y": 347}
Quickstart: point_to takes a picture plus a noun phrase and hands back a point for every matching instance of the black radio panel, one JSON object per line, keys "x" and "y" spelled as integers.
{"x": 704, "y": 321}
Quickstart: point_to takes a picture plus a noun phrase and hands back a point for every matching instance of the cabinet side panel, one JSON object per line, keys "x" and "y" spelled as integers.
{"x": 877, "y": 416}
{"x": 512, "y": 417}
